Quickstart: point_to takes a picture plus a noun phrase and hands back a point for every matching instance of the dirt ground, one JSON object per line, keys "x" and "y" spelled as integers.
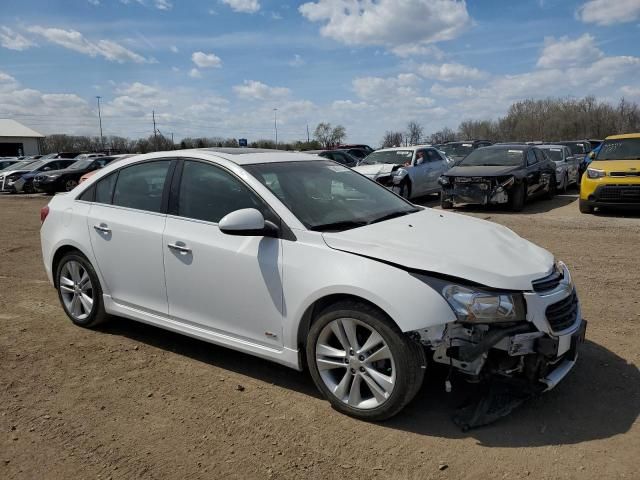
{"x": 134, "y": 401}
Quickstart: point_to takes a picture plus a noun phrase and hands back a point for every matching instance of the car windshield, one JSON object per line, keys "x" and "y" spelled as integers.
{"x": 32, "y": 165}
{"x": 397, "y": 157}
{"x": 576, "y": 148}
{"x": 329, "y": 197}
{"x": 494, "y": 157}
{"x": 48, "y": 156}
{"x": 17, "y": 165}
{"x": 554, "y": 153}
{"x": 620, "y": 149}
{"x": 80, "y": 164}
{"x": 457, "y": 149}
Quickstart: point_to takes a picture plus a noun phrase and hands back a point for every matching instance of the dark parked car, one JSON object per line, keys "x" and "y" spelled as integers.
{"x": 66, "y": 179}
{"x": 456, "y": 151}
{"x": 340, "y": 156}
{"x": 360, "y": 146}
{"x": 499, "y": 174}
{"x": 23, "y": 183}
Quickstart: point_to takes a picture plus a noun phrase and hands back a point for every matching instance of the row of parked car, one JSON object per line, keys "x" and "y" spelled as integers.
{"x": 55, "y": 172}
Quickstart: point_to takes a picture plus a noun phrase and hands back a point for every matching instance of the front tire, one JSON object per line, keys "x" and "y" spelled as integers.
{"x": 552, "y": 189}
{"x": 445, "y": 204}
{"x": 404, "y": 190}
{"x": 362, "y": 363}
{"x": 584, "y": 207}
{"x": 70, "y": 185}
{"x": 79, "y": 291}
{"x": 517, "y": 197}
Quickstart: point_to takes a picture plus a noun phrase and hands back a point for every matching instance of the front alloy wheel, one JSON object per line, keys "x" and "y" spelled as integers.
{"x": 355, "y": 363}
{"x": 362, "y": 363}
{"x": 70, "y": 185}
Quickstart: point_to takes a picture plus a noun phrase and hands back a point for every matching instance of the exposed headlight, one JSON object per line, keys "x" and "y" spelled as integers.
{"x": 508, "y": 182}
{"x": 477, "y": 306}
{"x": 54, "y": 176}
{"x": 595, "y": 173}
{"x": 443, "y": 180}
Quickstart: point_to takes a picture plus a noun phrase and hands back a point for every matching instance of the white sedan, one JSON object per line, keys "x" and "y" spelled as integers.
{"x": 304, "y": 262}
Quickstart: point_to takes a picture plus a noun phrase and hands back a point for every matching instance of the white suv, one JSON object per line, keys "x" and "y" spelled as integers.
{"x": 302, "y": 261}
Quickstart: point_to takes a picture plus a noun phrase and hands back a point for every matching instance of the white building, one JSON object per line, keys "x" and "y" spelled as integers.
{"x": 17, "y": 140}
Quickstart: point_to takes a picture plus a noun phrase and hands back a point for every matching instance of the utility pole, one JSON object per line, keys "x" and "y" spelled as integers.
{"x": 100, "y": 120}
{"x": 308, "y": 139}
{"x": 155, "y": 132}
{"x": 275, "y": 123}
{"x": 171, "y": 138}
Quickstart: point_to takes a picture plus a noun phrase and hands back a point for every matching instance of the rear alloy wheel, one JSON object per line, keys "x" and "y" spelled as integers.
{"x": 565, "y": 183}
{"x": 552, "y": 188}
{"x": 79, "y": 291}
{"x": 362, "y": 365}
{"x": 70, "y": 185}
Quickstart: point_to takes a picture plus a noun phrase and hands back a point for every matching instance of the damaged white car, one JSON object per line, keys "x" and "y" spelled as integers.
{"x": 304, "y": 262}
{"x": 409, "y": 171}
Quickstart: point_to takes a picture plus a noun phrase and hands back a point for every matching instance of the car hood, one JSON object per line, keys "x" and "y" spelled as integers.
{"x": 480, "y": 171}
{"x": 616, "y": 165}
{"x": 376, "y": 169}
{"x": 450, "y": 244}
{"x": 62, "y": 171}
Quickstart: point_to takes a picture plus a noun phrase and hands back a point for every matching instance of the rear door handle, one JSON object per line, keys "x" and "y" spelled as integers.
{"x": 181, "y": 249}
{"x": 103, "y": 228}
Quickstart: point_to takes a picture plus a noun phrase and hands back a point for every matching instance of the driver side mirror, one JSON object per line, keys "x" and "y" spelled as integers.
{"x": 247, "y": 222}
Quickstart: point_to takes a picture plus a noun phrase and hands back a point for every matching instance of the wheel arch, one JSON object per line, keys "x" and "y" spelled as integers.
{"x": 319, "y": 305}
{"x": 60, "y": 252}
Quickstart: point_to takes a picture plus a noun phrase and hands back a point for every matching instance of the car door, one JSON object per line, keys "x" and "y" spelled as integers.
{"x": 438, "y": 165}
{"x": 228, "y": 284}
{"x": 419, "y": 172}
{"x": 534, "y": 178}
{"x": 126, "y": 222}
{"x": 572, "y": 164}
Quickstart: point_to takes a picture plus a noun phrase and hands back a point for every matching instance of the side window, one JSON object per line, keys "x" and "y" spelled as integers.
{"x": 433, "y": 156}
{"x": 209, "y": 193}
{"x": 421, "y": 157}
{"x": 104, "y": 188}
{"x": 531, "y": 158}
{"x": 141, "y": 186}
{"x": 540, "y": 156}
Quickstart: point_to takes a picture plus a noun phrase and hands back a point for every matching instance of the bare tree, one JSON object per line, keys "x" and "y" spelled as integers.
{"x": 329, "y": 136}
{"x": 392, "y": 139}
{"x": 414, "y": 132}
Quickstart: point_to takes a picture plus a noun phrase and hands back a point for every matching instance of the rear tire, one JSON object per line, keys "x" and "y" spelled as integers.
{"x": 584, "y": 207}
{"x": 70, "y": 185}
{"x": 517, "y": 197}
{"x": 79, "y": 291}
{"x": 552, "y": 189}
{"x": 362, "y": 363}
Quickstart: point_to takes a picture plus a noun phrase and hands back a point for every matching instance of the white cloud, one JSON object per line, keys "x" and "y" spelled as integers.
{"x": 243, "y": 6}
{"x": 206, "y": 60}
{"x": 609, "y": 12}
{"x": 568, "y": 53}
{"x": 401, "y": 93}
{"x": 74, "y": 40}
{"x": 163, "y": 4}
{"x": 453, "y": 92}
{"x": 450, "y": 72}
{"x": 409, "y": 50}
{"x": 174, "y": 49}
{"x": 195, "y": 73}
{"x": 137, "y": 89}
{"x": 630, "y": 91}
{"x": 391, "y": 23}
{"x": 252, "y": 89}
{"x": 13, "y": 40}
{"x": 94, "y": 2}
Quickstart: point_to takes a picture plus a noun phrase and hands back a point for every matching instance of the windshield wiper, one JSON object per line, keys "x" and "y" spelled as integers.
{"x": 339, "y": 226}
{"x": 389, "y": 216}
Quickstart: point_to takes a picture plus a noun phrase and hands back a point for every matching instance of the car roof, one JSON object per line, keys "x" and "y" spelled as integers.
{"x": 498, "y": 146}
{"x": 245, "y": 156}
{"x": 626, "y": 135}
{"x": 395, "y": 149}
{"x": 550, "y": 145}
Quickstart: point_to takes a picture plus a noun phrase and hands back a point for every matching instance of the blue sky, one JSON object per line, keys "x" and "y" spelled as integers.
{"x": 220, "y": 67}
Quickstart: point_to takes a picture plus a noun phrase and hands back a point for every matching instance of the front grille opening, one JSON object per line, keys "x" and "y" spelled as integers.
{"x": 562, "y": 315}
{"x": 547, "y": 283}
{"x": 619, "y": 193}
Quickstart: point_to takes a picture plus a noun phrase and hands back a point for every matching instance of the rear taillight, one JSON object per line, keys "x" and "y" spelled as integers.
{"x": 44, "y": 211}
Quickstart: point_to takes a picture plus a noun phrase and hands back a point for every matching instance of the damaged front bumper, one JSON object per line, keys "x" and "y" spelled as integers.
{"x": 477, "y": 191}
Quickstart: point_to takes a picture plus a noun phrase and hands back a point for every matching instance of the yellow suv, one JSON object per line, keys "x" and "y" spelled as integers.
{"x": 613, "y": 178}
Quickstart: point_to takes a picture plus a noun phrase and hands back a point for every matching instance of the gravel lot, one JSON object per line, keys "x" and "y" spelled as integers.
{"x": 135, "y": 401}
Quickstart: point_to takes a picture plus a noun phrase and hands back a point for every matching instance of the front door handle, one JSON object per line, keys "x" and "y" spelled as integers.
{"x": 103, "y": 228}
{"x": 181, "y": 249}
